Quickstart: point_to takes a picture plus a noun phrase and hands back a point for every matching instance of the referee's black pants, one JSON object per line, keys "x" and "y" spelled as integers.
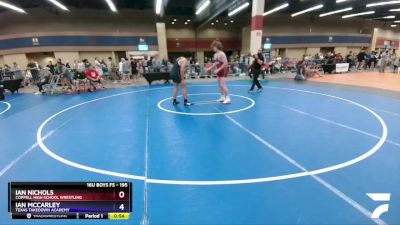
{"x": 256, "y": 74}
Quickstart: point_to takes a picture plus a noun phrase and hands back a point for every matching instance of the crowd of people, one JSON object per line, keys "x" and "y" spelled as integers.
{"x": 362, "y": 61}
{"x": 374, "y": 60}
{"x": 83, "y": 73}
{"x": 89, "y": 75}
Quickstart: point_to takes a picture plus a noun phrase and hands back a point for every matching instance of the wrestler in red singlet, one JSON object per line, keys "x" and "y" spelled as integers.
{"x": 220, "y": 58}
{"x": 221, "y": 65}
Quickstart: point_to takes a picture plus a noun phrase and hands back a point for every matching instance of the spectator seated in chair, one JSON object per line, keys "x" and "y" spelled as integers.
{"x": 80, "y": 79}
{"x": 311, "y": 71}
{"x": 45, "y": 79}
{"x": 301, "y": 68}
{"x": 94, "y": 78}
{"x": 65, "y": 75}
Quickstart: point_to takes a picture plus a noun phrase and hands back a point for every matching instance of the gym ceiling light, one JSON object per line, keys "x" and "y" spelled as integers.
{"x": 13, "y": 7}
{"x": 336, "y": 12}
{"x": 358, "y": 14}
{"x": 238, "y": 9}
{"x": 111, "y": 5}
{"x": 276, "y": 9}
{"x": 158, "y": 6}
{"x": 383, "y": 3}
{"x": 59, "y": 5}
{"x": 308, "y": 10}
{"x": 203, "y": 7}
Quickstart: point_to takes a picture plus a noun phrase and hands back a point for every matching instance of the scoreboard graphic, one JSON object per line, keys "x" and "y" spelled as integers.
{"x": 88, "y": 200}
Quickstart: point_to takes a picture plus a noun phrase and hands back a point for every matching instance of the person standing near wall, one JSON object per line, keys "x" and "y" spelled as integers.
{"x": 361, "y": 57}
{"x": 134, "y": 70}
{"x": 112, "y": 69}
{"x": 51, "y": 67}
{"x": 384, "y": 61}
{"x": 395, "y": 62}
{"x": 98, "y": 66}
{"x": 126, "y": 71}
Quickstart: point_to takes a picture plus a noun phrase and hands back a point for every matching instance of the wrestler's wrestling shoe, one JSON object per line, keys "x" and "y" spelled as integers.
{"x": 187, "y": 103}
{"x": 175, "y": 102}
{"x": 222, "y": 99}
{"x": 227, "y": 101}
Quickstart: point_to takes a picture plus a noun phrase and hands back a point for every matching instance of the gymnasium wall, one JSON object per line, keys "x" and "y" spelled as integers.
{"x": 20, "y": 59}
{"x": 77, "y": 21}
{"x": 187, "y": 39}
{"x": 279, "y": 24}
{"x": 67, "y": 56}
{"x": 296, "y": 53}
{"x": 343, "y": 50}
{"x": 41, "y": 58}
{"x": 312, "y": 51}
{"x": 87, "y": 33}
{"x": 79, "y": 30}
{"x": 300, "y": 33}
{"x": 387, "y": 35}
{"x": 246, "y": 40}
{"x": 304, "y": 35}
{"x": 92, "y": 55}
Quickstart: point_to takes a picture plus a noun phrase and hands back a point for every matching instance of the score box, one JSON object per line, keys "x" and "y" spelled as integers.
{"x": 81, "y": 216}
{"x": 27, "y": 199}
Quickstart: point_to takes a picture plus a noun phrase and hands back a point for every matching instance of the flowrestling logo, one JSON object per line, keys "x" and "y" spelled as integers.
{"x": 382, "y": 198}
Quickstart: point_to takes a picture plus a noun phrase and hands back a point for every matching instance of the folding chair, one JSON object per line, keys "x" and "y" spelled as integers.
{"x": 53, "y": 87}
{"x": 80, "y": 81}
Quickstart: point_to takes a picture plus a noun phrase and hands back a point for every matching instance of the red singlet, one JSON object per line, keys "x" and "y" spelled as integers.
{"x": 220, "y": 58}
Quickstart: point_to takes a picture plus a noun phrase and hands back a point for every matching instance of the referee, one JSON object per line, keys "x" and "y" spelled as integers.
{"x": 258, "y": 62}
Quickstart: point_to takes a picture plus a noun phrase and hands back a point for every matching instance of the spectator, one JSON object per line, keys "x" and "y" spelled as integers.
{"x": 45, "y": 79}
{"x": 150, "y": 62}
{"x": 86, "y": 64}
{"x": 16, "y": 69}
{"x": 105, "y": 68}
{"x": 372, "y": 60}
{"x": 165, "y": 62}
{"x": 395, "y": 62}
{"x": 98, "y": 67}
{"x": 113, "y": 69}
{"x": 145, "y": 65}
{"x": 93, "y": 76}
{"x": 339, "y": 58}
{"x": 125, "y": 71}
{"x": 301, "y": 68}
{"x": 350, "y": 59}
{"x": 65, "y": 75}
{"x": 310, "y": 69}
{"x": 51, "y": 67}
{"x": 32, "y": 73}
{"x": 134, "y": 70}
{"x": 157, "y": 64}
{"x": 120, "y": 66}
{"x": 361, "y": 59}
{"x": 384, "y": 61}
